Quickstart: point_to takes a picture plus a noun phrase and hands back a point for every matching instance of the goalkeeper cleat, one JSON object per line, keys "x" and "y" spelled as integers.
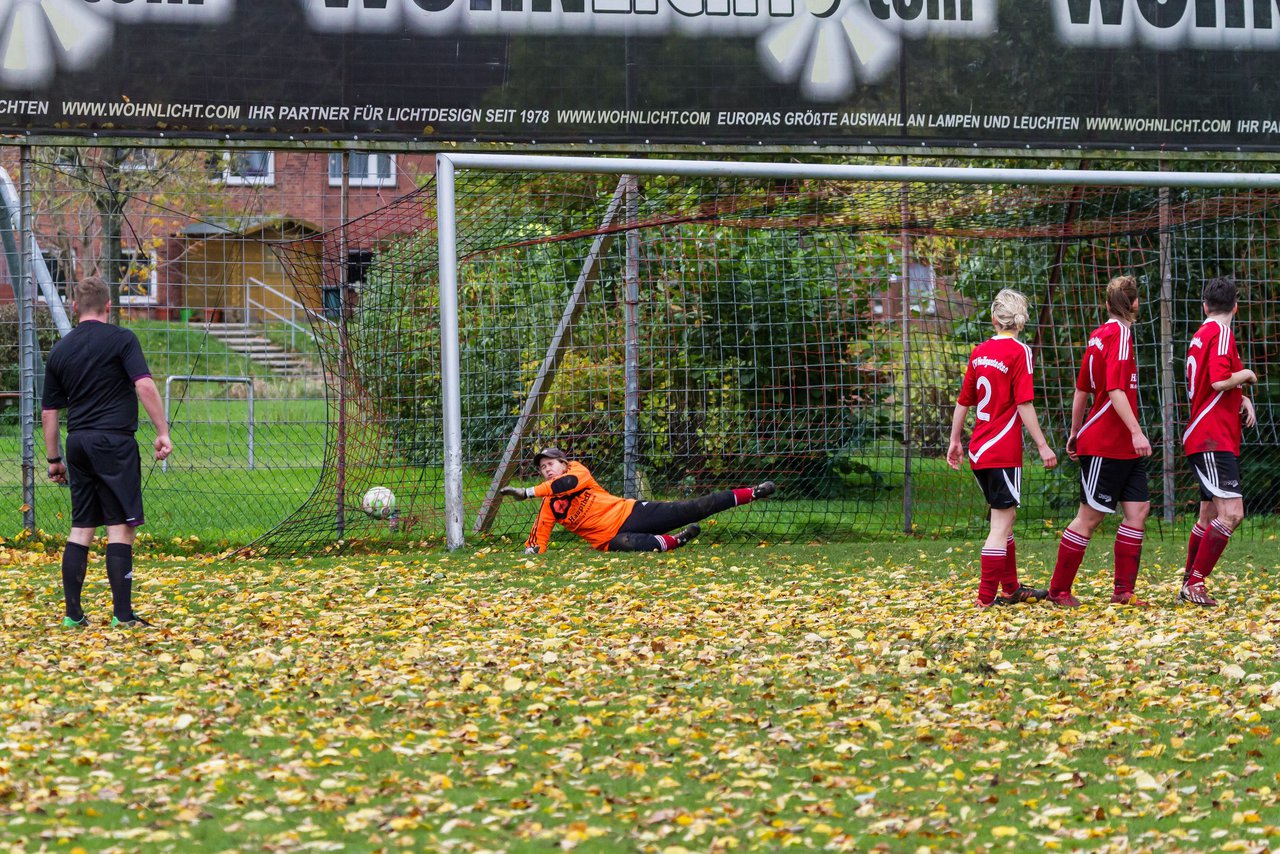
{"x": 1196, "y": 594}
{"x": 134, "y": 622}
{"x": 1024, "y": 593}
{"x": 764, "y": 490}
{"x": 69, "y": 623}
{"x": 686, "y": 534}
{"x": 1063, "y": 600}
{"x": 1130, "y": 599}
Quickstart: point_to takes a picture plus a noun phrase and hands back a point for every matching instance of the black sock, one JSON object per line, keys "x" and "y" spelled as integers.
{"x": 120, "y": 575}
{"x": 75, "y": 563}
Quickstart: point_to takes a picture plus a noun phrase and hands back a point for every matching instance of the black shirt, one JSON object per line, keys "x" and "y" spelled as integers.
{"x": 91, "y": 373}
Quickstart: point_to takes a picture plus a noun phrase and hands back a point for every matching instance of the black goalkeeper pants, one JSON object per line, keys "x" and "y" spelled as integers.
{"x": 658, "y": 517}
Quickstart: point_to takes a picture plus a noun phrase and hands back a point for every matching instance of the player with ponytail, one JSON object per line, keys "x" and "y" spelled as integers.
{"x": 1107, "y": 439}
{"x": 998, "y": 384}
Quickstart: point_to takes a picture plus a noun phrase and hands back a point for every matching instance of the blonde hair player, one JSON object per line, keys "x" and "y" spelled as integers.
{"x": 998, "y": 385}
{"x": 1112, "y": 451}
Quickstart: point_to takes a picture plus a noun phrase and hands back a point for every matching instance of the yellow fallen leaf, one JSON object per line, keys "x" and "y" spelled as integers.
{"x": 1232, "y": 671}
{"x": 1146, "y": 782}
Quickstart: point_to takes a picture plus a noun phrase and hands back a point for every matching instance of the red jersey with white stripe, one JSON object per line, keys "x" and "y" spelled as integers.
{"x": 1215, "y": 415}
{"x": 997, "y": 379}
{"x": 1109, "y": 363}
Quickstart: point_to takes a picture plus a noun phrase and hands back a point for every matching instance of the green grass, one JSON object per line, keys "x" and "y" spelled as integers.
{"x": 711, "y": 699}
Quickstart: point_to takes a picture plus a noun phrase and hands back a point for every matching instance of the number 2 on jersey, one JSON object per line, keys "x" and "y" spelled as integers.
{"x": 984, "y": 386}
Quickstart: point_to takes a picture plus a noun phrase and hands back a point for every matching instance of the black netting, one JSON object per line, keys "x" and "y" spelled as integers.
{"x": 810, "y": 332}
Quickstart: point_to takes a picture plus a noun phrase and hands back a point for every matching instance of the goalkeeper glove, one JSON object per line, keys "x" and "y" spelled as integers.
{"x": 519, "y": 493}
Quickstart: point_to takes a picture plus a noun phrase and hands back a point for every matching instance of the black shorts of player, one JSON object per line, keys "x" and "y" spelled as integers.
{"x": 1105, "y": 483}
{"x": 1218, "y": 473}
{"x": 1001, "y": 487}
{"x": 105, "y": 473}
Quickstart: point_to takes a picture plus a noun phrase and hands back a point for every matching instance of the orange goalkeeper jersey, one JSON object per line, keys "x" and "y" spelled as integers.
{"x": 576, "y": 501}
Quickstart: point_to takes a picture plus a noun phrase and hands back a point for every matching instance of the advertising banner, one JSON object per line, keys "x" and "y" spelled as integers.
{"x": 1045, "y": 73}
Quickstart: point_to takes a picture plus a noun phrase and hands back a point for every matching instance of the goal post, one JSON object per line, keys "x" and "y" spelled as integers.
{"x": 940, "y": 207}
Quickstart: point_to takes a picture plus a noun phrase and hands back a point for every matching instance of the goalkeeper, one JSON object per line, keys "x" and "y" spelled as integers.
{"x": 571, "y": 496}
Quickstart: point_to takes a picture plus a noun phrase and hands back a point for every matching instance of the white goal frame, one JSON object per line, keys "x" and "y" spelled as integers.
{"x": 446, "y": 224}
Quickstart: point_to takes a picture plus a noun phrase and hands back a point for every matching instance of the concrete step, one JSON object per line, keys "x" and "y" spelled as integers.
{"x": 247, "y": 340}
{"x": 242, "y": 343}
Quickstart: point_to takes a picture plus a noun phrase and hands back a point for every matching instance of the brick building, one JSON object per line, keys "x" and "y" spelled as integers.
{"x": 197, "y": 228}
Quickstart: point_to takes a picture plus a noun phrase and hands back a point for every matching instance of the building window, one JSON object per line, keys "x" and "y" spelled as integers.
{"x": 140, "y": 160}
{"x": 140, "y": 285}
{"x": 241, "y": 168}
{"x": 368, "y": 169}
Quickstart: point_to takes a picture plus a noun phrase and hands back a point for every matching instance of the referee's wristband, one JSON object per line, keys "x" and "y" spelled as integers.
{"x": 54, "y": 460}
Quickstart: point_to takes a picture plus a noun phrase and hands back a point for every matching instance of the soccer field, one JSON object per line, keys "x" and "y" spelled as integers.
{"x": 711, "y": 699}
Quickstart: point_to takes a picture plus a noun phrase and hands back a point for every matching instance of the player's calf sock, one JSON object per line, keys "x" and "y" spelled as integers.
{"x": 1193, "y": 545}
{"x": 1128, "y": 554}
{"x": 743, "y": 495}
{"x": 75, "y": 564}
{"x": 120, "y": 576}
{"x": 1009, "y": 579}
{"x": 1211, "y": 548}
{"x": 1071, "y": 551}
{"x": 666, "y": 542}
{"x": 992, "y": 563}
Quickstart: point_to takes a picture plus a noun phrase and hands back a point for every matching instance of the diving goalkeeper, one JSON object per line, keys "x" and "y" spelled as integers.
{"x": 571, "y": 496}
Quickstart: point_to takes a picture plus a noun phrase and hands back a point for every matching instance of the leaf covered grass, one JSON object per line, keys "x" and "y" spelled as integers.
{"x": 710, "y": 699}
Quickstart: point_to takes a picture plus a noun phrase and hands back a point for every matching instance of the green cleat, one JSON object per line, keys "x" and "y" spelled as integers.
{"x": 134, "y": 622}
{"x": 82, "y": 623}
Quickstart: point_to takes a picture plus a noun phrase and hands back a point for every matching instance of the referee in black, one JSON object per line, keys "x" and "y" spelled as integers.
{"x": 98, "y": 374}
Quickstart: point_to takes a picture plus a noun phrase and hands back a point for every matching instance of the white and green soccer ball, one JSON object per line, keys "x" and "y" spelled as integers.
{"x": 378, "y": 502}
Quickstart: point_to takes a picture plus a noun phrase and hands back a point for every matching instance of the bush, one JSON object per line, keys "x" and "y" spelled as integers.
{"x": 9, "y": 369}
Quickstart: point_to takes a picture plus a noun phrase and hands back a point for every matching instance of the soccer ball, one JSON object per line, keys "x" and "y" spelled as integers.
{"x": 378, "y": 502}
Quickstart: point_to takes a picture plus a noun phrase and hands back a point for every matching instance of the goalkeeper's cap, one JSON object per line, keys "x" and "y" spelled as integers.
{"x": 549, "y": 454}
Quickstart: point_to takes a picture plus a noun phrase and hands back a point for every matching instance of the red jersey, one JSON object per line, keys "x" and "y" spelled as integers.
{"x": 1109, "y": 363}
{"x": 1215, "y": 415}
{"x": 997, "y": 379}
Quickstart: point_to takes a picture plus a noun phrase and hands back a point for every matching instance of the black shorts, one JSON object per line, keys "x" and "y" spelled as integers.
{"x": 1001, "y": 487}
{"x": 1105, "y": 483}
{"x": 1218, "y": 473}
{"x": 105, "y": 473}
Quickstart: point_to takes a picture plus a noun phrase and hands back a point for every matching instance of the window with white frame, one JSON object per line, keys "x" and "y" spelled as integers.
{"x": 139, "y": 160}
{"x": 368, "y": 169}
{"x": 249, "y": 167}
{"x": 140, "y": 285}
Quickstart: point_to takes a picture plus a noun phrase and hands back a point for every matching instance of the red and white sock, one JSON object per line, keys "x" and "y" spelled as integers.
{"x": 992, "y": 571}
{"x": 1211, "y": 548}
{"x": 1070, "y": 555}
{"x": 666, "y": 542}
{"x": 1009, "y": 580}
{"x": 1193, "y": 545}
{"x": 743, "y": 495}
{"x": 1128, "y": 554}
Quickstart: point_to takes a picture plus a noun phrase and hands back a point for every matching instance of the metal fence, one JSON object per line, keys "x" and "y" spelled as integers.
{"x": 186, "y": 239}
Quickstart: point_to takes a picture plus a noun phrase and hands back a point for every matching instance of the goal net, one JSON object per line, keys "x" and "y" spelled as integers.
{"x": 680, "y": 334}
